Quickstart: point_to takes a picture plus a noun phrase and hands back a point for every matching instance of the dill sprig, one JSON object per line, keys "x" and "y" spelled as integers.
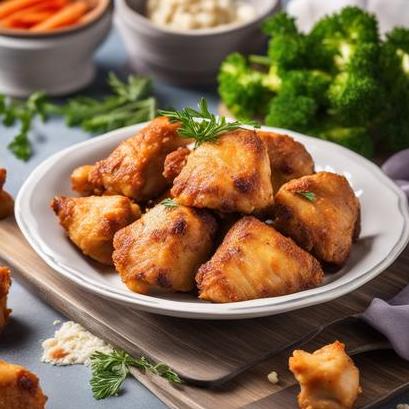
{"x": 201, "y": 125}
{"x": 168, "y": 202}
{"x": 109, "y": 371}
{"x": 307, "y": 195}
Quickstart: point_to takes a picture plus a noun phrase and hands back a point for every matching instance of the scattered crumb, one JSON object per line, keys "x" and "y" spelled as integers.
{"x": 273, "y": 377}
{"x": 402, "y": 406}
{"x": 72, "y": 344}
{"x": 56, "y": 322}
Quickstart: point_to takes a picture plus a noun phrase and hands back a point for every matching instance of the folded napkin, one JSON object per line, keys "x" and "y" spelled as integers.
{"x": 390, "y": 13}
{"x": 392, "y": 320}
{"x": 397, "y": 168}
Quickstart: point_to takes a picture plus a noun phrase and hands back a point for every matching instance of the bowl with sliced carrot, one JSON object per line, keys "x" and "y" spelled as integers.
{"x": 49, "y": 44}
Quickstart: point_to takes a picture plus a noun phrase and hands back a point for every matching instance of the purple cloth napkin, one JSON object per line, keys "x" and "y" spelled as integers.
{"x": 397, "y": 168}
{"x": 392, "y": 320}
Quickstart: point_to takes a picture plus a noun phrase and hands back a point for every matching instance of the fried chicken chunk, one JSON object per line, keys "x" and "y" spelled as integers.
{"x": 321, "y": 214}
{"x": 164, "y": 248}
{"x": 288, "y": 158}
{"x": 231, "y": 174}
{"x": 5, "y": 283}
{"x": 6, "y": 201}
{"x": 328, "y": 378}
{"x": 135, "y": 167}
{"x": 255, "y": 261}
{"x": 19, "y": 388}
{"x": 175, "y": 162}
{"x": 91, "y": 222}
{"x": 80, "y": 182}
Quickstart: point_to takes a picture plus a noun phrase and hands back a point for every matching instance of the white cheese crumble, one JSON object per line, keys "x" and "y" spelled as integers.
{"x": 273, "y": 377}
{"x": 402, "y": 406}
{"x": 197, "y": 14}
{"x": 72, "y": 344}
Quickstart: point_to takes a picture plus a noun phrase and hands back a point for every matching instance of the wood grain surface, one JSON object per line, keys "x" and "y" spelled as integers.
{"x": 208, "y": 351}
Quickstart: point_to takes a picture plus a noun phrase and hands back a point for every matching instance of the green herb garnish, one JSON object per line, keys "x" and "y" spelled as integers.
{"x": 202, "y": 125}
{"x": 109, "y": 372}
{"x": 168, "y": 202}
{"x": 130, "y": 103}
{"x": 23, "y": 113}
{"x": 307, "y": 195}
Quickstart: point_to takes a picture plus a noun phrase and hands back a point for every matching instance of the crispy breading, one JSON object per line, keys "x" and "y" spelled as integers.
{"x": 164, "y": 248}
{"x": 80, "y": 182}
{"x": 6, "y": 201}
{"x": 327, "y": 225}
{"x": 328, "y": 378}
{"x": 134, "y": 169}
{"x": 231, "y": 174}
{"x": 91, "y": 222}
{"x": 288, "y": 158}
{"x": 175, "y": 162}
{"x": 19, "y": 388}
{"x": 5, "y": 283}
{"x": 256, "y": 261}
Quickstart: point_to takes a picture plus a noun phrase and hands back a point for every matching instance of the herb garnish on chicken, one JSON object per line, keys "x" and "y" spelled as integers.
{"x": 202, "y": 125}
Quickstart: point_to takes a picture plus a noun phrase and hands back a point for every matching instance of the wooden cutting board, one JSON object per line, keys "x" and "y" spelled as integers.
{"x": 207, "y": 351}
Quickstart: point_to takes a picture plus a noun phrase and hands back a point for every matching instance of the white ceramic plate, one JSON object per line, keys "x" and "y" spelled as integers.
{"x": 385, "y": 233}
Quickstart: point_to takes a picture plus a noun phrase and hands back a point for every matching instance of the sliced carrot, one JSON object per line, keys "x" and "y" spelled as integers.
{"x": 31, "y": 16}
{"x": 12, "y": 6}
{"x": 67, "y": 16}
{"x": 27, "y": 21}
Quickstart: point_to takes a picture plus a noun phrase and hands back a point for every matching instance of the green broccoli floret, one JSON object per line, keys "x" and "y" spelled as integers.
{"x": 241, "y": 87}
{"x": 357, "y": 139}
{"x": 291, "y": 111}
{"x": 334, "y": 39}
{"x": 287, "y": 47}
{"x": 280, "y": 23}
{"x": 394, "y": 66}
{"x": 288, "y": 51}
{"x": 311, "y": 83}
{"x": 354, "y": 98}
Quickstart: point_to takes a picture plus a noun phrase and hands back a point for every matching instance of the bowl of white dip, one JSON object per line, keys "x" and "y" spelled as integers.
{"x": 184, "y": 41}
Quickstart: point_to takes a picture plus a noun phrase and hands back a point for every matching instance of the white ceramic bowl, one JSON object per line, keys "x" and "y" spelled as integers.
{"x": 189, "y": 57}
{"x": 57, "y": 63}
{"x": 381, "y": 241}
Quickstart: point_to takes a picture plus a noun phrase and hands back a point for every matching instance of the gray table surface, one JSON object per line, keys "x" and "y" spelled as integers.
{"x": 32, "y": 319}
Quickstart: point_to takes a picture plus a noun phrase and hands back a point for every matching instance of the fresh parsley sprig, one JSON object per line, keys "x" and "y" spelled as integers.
{"x": 24, "y": 113}
{"x": 129, "y": 103}
{"x": 109, "y": 372}
{"x": 201, "y": 125}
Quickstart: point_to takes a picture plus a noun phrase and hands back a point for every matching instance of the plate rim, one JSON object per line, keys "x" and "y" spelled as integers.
{"x": 238, "y": 310}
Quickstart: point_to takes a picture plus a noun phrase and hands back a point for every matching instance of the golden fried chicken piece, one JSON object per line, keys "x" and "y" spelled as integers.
{"x": 91, "y": 222}
{"x": 231, "y": 174}
{"x": 164, "y": 248}
{"x": 255, "y": 261}
{"x": 19, "y": 388}
{"x": 288, "y": 158}
{"x": 328, "y": 378}
{"x": 6, "y": 201}
{"x": 80, "y": 182}
{"x": 325, "y": 224}
{"x": 5, "y": 283}
{"x": 175, "y": 162}
{"x": 135, "y": 167}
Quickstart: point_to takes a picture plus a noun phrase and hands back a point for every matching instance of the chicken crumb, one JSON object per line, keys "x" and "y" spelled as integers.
{"x": 273, "y": 377}
{"x": 72, "y": 344}
{"x": 56, "y": 322}
{"x": 402, "y": 406}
